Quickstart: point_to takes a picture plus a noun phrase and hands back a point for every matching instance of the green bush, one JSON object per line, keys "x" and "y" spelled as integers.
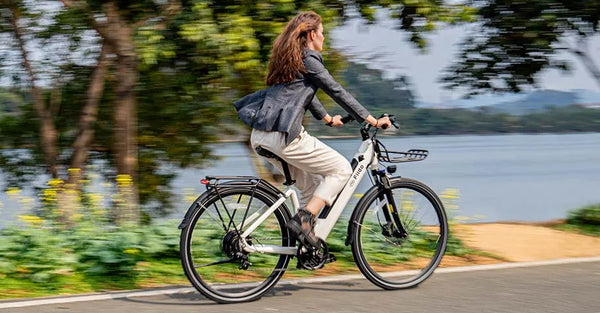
{"x": 36, "y": 254}
{"x": 160, "y": 240}
{"x": 43, "y": 255}
{"x": 589, "y": 215}
{"x": 112, "y": 253}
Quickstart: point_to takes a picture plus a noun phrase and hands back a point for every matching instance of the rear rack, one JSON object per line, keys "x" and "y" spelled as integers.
{"x": 219, "y": 182}
{"x": 411, "y": 155}
{"x": 216, "y": 181}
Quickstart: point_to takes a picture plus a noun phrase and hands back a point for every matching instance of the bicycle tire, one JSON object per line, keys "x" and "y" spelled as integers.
{"x": 202, "y": 243}
{"x": 393, "y": 262}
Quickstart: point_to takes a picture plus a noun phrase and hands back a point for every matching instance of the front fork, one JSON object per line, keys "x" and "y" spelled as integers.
{"x": 392, "y": 227}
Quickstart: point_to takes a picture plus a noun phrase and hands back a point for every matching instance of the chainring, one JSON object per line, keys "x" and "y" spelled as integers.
{"x": 312, "y": 258}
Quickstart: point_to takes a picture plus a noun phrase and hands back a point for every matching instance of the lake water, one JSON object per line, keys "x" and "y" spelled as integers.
{"x": 499, "y": 177}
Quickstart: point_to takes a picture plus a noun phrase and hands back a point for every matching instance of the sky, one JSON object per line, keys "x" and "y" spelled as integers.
{"x": 389, "y": 50}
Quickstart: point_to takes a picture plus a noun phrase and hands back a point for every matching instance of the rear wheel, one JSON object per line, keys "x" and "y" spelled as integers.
{"x": 211, "y": 250}
{"x": 393, "y": 259}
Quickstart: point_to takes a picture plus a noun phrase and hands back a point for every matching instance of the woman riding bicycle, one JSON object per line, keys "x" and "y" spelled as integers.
{"x": 295, "y": 73}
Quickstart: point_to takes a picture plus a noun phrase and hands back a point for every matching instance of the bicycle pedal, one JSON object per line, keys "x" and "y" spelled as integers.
{"x": 244, "y": 265}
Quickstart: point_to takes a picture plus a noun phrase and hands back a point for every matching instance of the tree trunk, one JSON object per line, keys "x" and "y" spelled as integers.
{"x": 48, "y": 132}
{"x": 88, "y": 117}
{"x": 120, "y": 36}
{"x": 85, "y": 135}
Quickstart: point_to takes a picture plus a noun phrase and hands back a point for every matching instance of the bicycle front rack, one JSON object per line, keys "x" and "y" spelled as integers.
{"x": 389, "y": 156}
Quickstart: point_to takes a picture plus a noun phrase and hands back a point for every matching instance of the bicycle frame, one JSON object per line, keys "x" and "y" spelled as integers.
{"x": 365, "y": 159}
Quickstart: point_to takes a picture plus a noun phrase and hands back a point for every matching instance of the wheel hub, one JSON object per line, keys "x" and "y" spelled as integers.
{"x": 232, "y": 245}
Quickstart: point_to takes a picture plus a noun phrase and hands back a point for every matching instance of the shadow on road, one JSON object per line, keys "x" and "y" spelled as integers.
{"x": 194, "y": 298}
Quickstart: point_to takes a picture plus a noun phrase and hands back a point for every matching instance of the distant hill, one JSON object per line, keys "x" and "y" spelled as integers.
{"x": 536, "y": 101}
{"x": 521, "y": 103}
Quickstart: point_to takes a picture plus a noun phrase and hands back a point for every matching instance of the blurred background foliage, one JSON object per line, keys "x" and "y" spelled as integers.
{"x": 516, "y": 39}
{"x": 138, "y": 86}
{"x": 143, "y": 84}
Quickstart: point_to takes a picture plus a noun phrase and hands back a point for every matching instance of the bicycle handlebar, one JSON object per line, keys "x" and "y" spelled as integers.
{"x": 349, "y": 118}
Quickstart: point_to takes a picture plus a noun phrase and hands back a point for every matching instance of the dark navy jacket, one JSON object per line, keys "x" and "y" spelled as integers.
{"x": 281, "y": 107}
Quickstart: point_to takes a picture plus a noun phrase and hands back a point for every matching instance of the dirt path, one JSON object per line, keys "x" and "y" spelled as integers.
{"x": 516, "y": 242}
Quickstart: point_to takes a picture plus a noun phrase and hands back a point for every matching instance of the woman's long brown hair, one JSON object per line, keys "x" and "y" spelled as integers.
{"x": 286, "y": 62}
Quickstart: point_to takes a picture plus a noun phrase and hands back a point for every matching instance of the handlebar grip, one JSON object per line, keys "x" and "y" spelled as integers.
{"x": 347, "y": 118}
{"x": 392, "y": 120}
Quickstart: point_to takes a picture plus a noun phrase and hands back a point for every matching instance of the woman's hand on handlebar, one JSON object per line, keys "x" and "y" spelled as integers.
{"x": 337, "y": 121}
{"x": 382, "y": 122}
{"x": 333, "y": 121}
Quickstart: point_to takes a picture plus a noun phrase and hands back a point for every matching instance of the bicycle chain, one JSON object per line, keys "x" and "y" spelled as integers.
{"x": 287, "y": 269}
{"x": 280, "y": 270}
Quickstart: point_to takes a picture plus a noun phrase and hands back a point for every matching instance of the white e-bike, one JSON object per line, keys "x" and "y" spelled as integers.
{"x": 235, "y": 246}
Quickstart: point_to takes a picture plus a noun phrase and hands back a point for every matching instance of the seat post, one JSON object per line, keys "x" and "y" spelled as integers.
{"x": 286, "y": 172}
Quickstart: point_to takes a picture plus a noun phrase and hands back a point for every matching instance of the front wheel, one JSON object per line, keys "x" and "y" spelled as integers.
{"x": 392, "y": 256}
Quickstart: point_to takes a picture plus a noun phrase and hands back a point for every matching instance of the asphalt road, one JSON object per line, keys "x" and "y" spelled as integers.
{"x": 566, "y": 288}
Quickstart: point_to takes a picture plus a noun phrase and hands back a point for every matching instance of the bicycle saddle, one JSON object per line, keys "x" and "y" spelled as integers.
{"x": 286, "y": 170}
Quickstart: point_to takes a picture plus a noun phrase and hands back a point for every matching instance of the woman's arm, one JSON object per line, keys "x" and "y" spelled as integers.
{"x": 318, "y": 111}
{"x": 318, "y": 74}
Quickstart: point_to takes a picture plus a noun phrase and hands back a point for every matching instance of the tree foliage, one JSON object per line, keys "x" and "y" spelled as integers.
{"x": 140, "y": 85}
{"x": 518, "y": 39}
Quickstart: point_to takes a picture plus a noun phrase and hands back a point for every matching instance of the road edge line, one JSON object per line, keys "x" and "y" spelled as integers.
{"x": 148, "y": 293}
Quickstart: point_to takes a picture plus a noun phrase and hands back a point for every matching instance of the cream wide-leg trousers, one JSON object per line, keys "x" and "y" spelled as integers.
{"x": 317, "y": 169}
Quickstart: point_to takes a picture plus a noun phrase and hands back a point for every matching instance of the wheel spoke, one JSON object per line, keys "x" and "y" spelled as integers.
{"x": 378, "y": 233}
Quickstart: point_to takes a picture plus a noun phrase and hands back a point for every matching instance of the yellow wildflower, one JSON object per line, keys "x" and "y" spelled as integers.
{"x": 55, "y": 182}
{"x": 13, "y": 191}
{"x": 95, "y": 199}
{"x": 31, "y": 220}
{"x": 124, "y": 180}
{"x": 50, "y": 193}
{"x": 451, "y": 194}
